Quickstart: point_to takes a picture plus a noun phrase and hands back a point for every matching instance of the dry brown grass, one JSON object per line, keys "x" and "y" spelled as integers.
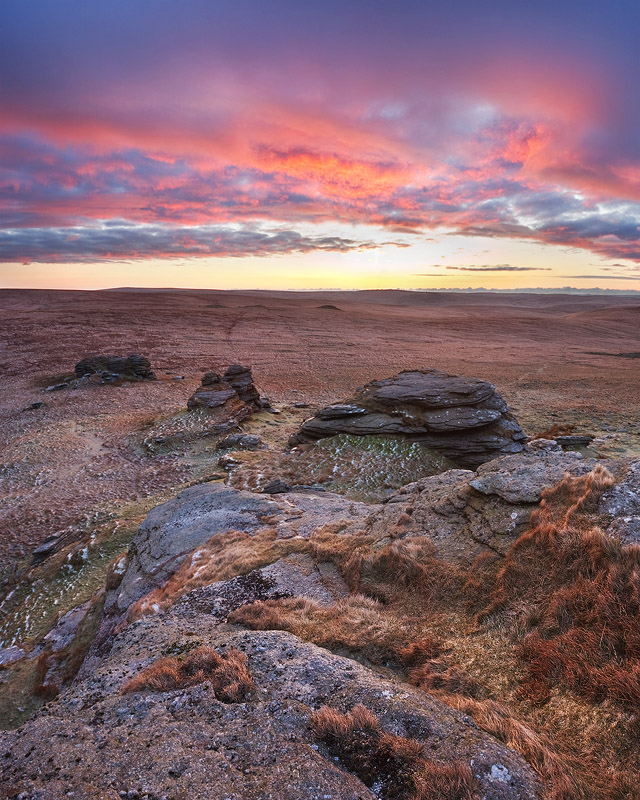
{"x": 568, "y": 774}
{"x": 224, "y": 556}
{"x": 356, "y": 623}
{"x": 394, "y": 763}
{"x": 553, "y": 431}
{"x": 386, "y": 570}
{"x": 576, "y": 594}
{"x": 435, "y": 674}
{"x": 227, "y": 674}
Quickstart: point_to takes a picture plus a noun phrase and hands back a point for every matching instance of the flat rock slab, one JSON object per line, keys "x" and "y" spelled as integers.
{"x": 428, "y": 389}
{"x": 522, "y": 478}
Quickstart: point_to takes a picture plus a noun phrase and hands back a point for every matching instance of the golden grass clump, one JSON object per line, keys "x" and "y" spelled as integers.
{"x": 436, "y": 675}
{"x": 386, "y": 569}
{"x": 227, "y": 674}
{"x": 395, "y": 764}
{"x": 356, "y": 623}
{"x": 223, "y": 556}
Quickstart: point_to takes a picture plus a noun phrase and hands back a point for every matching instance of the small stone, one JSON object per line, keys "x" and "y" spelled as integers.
{"x": 277, "y": 486}
{"x": 241, "y": 441}
{"x": 33, "y": 406}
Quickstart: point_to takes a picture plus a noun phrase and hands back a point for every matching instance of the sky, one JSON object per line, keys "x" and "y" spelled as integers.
{"x": 298, "y": 145}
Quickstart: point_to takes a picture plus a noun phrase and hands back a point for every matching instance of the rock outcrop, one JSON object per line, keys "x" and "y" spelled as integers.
{"x": 131, "y": 368}
{"x": 174, "y": 530}
{"x": 232, "y": 549}
{"x": 240, "y": 379}
{"x": 233, "y": 394}
{"x": 96, "y": 742}
{"x": 464, "y": 418}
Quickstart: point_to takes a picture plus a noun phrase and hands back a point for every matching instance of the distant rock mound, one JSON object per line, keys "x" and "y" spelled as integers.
{"x": 134, "y": 367}
{"x": 464, "y": 418}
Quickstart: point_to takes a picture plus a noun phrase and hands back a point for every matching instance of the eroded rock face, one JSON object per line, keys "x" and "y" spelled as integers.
{"x": 133, "y": 367}
{"x": 213, "y": 393}
{"x": 241, "y": 380}
{"x": 464, "y": 418}
{"x": 622, "y": 502}
{"x": 467, "y": 514}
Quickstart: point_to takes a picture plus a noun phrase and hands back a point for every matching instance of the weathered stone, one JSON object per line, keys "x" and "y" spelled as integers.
{"x": 173, "y": 530}
{"x": 278, "y": 486}
{"x": 187, "y": 743}
{"x": 624, "y": 498}
{"x": 575, "y": 440}
{"x": 11, "y": 654}
{"x": 341, "y": 410}
{"x": 625, "y": 530}
{"x": 464, "y": 418}
{"x": 241, "y": 441}
{"x": 522, "y": 478}
{"x": 33, "y": 406}
{"x": 240, "y": 379}
{"x": 213, "y": 393}
{"x": 233, "y": 397}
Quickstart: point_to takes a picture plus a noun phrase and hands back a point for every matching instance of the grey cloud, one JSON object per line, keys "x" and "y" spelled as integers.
{"x": 119, "y": 240}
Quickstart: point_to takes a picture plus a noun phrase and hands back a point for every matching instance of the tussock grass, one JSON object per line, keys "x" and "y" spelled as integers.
{"x": 395, "y": 764}
{"x": 576, "y": 594}
{"x": 227, "y": 674}
{"x": 435, "y": 674}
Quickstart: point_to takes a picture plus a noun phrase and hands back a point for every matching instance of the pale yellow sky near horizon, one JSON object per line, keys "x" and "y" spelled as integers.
{"x": 425, "y": 264}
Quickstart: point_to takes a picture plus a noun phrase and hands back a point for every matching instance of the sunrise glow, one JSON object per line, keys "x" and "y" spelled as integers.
{"x": 289, "y": 145}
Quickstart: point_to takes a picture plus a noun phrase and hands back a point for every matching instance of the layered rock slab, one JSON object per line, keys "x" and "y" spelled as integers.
{"x": 235, "y": 391}
{"x": 464, "y": 418}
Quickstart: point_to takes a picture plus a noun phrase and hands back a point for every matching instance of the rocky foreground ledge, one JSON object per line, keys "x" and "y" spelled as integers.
{"x": 466, "y": 419}
{"x": 243, "y": 634}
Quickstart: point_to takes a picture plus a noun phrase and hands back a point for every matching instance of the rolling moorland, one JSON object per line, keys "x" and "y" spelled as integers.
{"x": 191, "y": 608}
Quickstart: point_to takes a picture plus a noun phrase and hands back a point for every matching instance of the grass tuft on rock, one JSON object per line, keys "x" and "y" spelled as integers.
{"x": 227, "y": 673}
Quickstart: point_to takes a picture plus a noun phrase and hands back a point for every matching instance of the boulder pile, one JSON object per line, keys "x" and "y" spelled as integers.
{"x": 466, "y": 419}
